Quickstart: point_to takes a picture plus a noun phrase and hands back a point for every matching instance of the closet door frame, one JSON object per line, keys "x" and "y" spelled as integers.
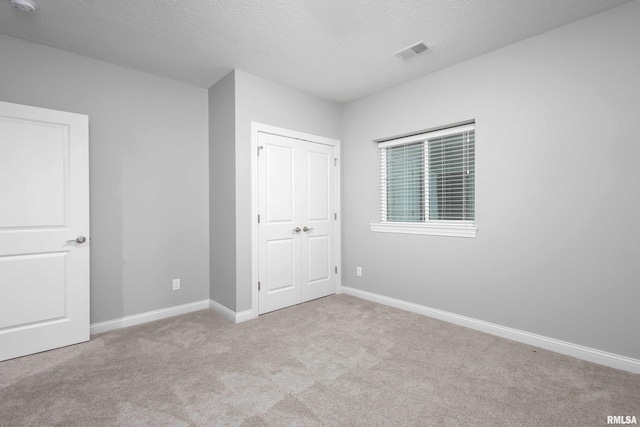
{"x": 256, "y": 129}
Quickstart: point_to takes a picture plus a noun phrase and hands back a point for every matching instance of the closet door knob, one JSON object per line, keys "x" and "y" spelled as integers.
{"x": 80, "y": 240}
{"x": 297, "y": 229}
{"x": 305, "y": 229}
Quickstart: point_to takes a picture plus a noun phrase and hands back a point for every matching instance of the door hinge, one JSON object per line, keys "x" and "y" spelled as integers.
{"x": 258, "y": 285}
{"x": 260, "y": 147}
{"x": 336, "y": 269}
{"x": 335, "y": 161}
{"x": 258, "y": 218}
{"x": 335, "y": 215}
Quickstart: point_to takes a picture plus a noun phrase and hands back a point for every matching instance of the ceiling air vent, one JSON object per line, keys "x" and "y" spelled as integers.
{"x": 24, "y": 5}
{"x": 412, "y": 50}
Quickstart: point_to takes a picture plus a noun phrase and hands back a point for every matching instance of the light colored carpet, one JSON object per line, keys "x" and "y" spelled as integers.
{"x": 334, "y": 361}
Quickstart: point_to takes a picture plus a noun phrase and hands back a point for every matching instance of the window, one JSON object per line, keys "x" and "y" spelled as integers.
{"x": 427, "y": 183}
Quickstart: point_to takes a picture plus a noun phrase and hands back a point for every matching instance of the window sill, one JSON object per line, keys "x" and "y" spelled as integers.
{"x": 432, "y": 229}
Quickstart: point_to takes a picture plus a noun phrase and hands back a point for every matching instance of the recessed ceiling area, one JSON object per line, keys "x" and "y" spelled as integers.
{"x": 339, "y": 50}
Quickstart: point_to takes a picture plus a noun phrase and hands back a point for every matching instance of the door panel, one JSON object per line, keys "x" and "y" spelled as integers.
{"x": 279, "y": 176}
{"x": 44, "y": 191}
{"x": 319, "y": 165}
{"x": 296, "y": 255}
{"x": 35, "y": 156}
{"x": 280, "y": 258}
{"x": 42, "y": 275}
{"x": 319, "y": 259}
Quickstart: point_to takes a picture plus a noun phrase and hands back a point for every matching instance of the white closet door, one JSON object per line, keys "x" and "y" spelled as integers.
{"x": 44, "y": 207}
{"x": 318, "y": 222}
{"x": 296, "y": 193}
{"x": 280, "y": 195}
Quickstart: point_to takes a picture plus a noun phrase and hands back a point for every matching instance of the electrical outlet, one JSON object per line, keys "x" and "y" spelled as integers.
{"x": 359, "y": 271}
{"x": 176, "y": 284}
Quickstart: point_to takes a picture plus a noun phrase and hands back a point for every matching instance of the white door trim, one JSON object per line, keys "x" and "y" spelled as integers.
{"x": 256, "y": 129}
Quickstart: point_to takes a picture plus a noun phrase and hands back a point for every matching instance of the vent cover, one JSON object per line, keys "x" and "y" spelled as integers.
{"x": 24, "y": 5}
{"x": 412, "y": 50}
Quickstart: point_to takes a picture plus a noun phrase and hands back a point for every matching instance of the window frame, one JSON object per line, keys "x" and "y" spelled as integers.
{"x": 458, "y": 228}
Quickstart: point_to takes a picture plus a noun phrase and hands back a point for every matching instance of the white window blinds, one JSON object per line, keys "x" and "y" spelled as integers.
{"x": 429, "y": 177}
{"x": 404, "y": 183}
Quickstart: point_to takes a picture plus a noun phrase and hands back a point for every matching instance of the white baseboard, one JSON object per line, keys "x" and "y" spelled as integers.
{"x": 241, "y": 316}
{"x": 221, "y": 309}
{"x": 149, "y": 316}
{"x": 580, "y": 352}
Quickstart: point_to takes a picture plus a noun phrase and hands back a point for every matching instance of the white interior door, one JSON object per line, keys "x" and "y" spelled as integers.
{"x": 44, "y": 207}
{"x": 279, "y": 199}
{"x": 318, "y": 242}
{"x": 296, "y": 234}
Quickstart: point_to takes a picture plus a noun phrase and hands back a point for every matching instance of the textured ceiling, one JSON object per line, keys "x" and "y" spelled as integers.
{"x": 336, "y": 49}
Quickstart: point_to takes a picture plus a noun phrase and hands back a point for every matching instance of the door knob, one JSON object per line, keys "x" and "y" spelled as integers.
{"x": 305, "y": 229}
{"x": 80, "y": 240}
{"x": 297, "y": 229}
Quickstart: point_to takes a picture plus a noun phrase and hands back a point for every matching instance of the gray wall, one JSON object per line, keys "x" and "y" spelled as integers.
{"x": 263, "y": 101}
{"x": 222, "y": 196}
{"x": 557, "y": 187}
{"x": 148, "y": 172}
